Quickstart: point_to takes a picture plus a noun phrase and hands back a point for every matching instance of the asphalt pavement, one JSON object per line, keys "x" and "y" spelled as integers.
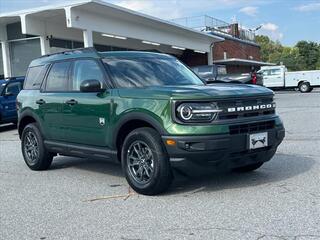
{"x": 86, "y": 199}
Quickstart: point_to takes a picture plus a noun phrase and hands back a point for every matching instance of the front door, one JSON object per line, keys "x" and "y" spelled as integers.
{"x": 9, "y": 95}
{"x": 273, "y": 78}
{"x": 86, "y": 116}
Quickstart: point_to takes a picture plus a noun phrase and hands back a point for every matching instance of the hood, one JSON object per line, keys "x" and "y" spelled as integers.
{"x": 216, "y": 90}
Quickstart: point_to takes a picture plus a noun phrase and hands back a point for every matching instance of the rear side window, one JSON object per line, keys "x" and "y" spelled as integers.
{"x": 57, "y": 79}
{"x": 34, "y": 77}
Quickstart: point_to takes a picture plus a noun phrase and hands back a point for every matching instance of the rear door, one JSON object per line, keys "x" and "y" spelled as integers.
{"x": 51, "y": 99}
{"x": 86, "y": 116}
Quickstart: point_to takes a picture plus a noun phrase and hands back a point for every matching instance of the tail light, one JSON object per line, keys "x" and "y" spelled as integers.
{"x": 254, "y": 78}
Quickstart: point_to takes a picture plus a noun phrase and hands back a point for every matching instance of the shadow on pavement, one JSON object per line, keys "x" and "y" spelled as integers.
{"x": 281, "y": 167}
{"x": 99, "y": 166}
{"x": 7, "y": 127}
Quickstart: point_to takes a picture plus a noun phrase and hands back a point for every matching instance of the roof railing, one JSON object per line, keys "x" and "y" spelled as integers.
{"x": 73, "y": 51}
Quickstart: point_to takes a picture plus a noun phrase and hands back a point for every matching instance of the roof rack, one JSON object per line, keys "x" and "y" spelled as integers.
{"x": 69, "y": 54}
{"x": 73, "y": 51}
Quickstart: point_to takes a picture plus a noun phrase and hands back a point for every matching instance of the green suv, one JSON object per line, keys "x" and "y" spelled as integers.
{"x": 148, "y": 111}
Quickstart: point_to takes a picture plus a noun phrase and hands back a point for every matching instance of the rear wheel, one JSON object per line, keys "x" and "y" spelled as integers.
{"x": 304, "y": 87}
{"x": 33, "y": 150}
{"x": 145, "y": 162}
{"x": 248, "y": 168}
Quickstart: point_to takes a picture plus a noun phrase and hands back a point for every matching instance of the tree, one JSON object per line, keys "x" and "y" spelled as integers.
{"x": 310, "y": 52}
{"x": 303, "y": 56}
{"x": 268, "y": 47}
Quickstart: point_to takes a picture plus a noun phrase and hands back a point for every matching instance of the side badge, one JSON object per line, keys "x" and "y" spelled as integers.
{"x": 101, "y": 121}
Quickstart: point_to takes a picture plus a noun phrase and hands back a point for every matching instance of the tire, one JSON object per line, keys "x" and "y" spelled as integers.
{"x": 304, "y": 87}
{"x": 248, "y": 168}
{"x": 33, "y": 150}
{"x": 145, "y": 162}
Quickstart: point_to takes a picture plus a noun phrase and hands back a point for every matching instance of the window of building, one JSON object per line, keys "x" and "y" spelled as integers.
{"x": 57, "y": 79}
{"x": 14, "y": 31}
{"x": 22, "y": 53}
{"x": 60, "y": 45}
{"x": 85, "y": 70}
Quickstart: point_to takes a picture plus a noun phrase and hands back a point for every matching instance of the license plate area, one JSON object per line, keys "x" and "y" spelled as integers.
{"x": 258, "y": 140}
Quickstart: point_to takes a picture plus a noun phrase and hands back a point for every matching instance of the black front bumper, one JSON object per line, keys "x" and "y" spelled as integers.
{"x": 220, "y": 152}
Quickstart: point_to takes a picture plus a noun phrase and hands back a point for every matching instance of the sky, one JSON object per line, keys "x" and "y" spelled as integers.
{"x": 287, "y": 21}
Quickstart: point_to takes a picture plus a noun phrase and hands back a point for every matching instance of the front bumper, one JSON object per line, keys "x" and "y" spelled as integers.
{"x": 219, "y": 152}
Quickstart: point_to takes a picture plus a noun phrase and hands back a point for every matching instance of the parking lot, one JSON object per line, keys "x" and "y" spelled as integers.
{"x": 85, "y": 199}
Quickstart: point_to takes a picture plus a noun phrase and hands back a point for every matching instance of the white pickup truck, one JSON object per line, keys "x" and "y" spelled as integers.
{"x": 279, "y": 77}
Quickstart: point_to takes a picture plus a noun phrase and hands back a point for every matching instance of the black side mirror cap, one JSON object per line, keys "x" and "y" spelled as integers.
{"x": 91, "y": 85}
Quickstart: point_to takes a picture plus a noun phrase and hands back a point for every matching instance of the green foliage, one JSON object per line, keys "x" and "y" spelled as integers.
{"x": 303, "y": 56}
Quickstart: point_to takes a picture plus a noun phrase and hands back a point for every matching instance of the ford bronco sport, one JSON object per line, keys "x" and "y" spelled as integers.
{"x": 148, "y": 110}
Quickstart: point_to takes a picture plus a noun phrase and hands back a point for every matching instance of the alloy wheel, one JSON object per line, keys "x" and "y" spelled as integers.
{"x": 31, "y": 147}
{"x": 140, "y": 162}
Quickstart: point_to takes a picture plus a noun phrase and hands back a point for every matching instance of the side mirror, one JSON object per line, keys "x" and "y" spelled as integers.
{"x": 91, "y": 85}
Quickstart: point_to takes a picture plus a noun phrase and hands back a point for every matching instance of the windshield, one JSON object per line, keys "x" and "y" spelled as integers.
{"x": 147, "y": 71}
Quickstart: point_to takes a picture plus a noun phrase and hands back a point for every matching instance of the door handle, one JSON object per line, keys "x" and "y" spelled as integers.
{"x": 40, "y": 101}
{"x": 71, "y": 102}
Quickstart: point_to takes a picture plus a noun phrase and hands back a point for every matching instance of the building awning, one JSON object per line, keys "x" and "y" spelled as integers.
{"x": 99, "y": 17}
{"x": 242, "y": 62}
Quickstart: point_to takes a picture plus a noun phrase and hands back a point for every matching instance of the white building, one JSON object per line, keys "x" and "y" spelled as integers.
{"x": 27, "y": 34}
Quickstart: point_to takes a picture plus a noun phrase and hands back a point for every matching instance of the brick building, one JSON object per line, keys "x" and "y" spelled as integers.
{"x": 239, "y": 56}
{"x": 238, "y": 51}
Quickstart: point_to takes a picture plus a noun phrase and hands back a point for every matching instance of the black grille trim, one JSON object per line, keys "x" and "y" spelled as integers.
{"x": 251, "y": 127}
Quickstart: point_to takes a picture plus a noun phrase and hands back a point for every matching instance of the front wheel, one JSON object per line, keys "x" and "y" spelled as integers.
{"x": 33, "y": 150}
{"x": 145, "y": 162}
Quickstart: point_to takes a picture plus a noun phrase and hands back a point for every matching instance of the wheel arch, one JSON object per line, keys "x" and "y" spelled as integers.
{"x": 302, "y": 81}
{"x": 26, "y": 118}
{"x": 130, "y": 122}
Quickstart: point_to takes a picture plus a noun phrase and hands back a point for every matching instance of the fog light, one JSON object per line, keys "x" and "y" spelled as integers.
{"x": 171, "y": 142}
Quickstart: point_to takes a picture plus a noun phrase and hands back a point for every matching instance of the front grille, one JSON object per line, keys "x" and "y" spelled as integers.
{"x": 251, "y": 127}
{"x": 242, "y": 103}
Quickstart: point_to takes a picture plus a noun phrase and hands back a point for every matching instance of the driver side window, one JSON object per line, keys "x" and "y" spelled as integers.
{"x": 13, "y": 88}
{"x": 85, "y": 70}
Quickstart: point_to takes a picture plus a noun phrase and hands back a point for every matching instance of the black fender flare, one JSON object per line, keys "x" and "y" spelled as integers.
{"x": 29, "y": 113}
{"x": 139, "y": 117}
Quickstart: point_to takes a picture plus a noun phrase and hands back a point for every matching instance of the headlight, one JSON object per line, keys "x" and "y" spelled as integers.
{"x": 197, "y": 112}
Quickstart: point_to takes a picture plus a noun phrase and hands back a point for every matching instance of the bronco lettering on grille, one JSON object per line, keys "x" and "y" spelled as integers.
{"x": 251, "y": 108}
